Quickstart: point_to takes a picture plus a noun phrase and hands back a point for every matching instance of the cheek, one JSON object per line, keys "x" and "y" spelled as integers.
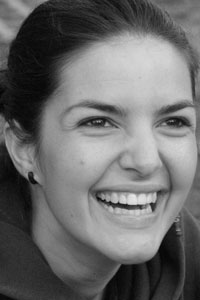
{"x": 77, "y": 163}
{"x": 181, "y": 160}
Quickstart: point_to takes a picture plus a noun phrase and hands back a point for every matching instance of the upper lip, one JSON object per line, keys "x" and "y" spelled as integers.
{"x": 134, "y": 188}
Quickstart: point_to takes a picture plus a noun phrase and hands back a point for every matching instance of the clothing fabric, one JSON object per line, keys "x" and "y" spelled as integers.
{"x": 173, "y": 274}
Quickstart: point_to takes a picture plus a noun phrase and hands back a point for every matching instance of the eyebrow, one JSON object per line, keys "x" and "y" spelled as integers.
{"x": 104, "y": 107}
{"x": 171, "y": 108}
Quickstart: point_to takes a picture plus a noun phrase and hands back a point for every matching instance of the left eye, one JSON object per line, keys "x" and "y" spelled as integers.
{"x": 176, "y": 123}
{"x": 97, "y": 122}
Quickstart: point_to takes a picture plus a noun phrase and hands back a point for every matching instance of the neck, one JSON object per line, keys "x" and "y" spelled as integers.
{"x": 83, "y": 270}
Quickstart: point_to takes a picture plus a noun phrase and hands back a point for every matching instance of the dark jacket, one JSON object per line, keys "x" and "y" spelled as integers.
{"x": 173, "y": 274}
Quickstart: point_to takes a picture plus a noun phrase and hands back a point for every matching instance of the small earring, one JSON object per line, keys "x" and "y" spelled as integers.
{"x": 177, "y": 224}
{"x": 31, "y": 178}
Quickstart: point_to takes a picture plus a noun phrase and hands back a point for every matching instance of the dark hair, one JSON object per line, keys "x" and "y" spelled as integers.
{"x": 58, "y": 29}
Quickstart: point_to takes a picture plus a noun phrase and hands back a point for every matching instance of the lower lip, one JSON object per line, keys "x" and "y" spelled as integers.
{"x": 132, "y": 220}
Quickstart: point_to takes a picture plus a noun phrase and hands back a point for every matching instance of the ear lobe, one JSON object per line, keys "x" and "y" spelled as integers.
{"x": 22, "y": 154}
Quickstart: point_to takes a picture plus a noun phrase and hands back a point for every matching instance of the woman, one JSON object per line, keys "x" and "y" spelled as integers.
{"x": 98, "y": 102}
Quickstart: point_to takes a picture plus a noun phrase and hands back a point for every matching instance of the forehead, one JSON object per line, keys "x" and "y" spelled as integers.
{"x": 129, "y": 65}
{"x": 118, "y": 52}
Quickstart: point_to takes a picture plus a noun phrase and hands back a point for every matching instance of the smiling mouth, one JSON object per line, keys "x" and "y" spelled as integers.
{"x": 128, "y": 203}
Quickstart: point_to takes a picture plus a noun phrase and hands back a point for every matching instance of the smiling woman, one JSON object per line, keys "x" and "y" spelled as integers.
{"x": 99, "y": 155}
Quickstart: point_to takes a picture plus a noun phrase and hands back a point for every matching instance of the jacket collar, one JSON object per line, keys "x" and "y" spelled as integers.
{"x": 25, "y": 274}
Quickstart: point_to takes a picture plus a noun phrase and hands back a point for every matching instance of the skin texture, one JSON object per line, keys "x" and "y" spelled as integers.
{"x": 142, "y": 148}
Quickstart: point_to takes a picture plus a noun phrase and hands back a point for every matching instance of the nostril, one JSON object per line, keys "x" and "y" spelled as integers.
{"x": 141, "y": 152}
{"x": 143, "y": 164}
{"x": 147, "y": 169}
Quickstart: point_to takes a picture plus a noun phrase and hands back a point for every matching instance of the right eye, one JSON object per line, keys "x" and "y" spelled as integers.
{"x": 97, "y": 122}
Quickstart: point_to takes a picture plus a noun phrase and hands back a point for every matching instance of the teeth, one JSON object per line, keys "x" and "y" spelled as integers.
{"x": 137, "y": 212}
{"x": 149, "y": 209}
{"x": 108, "y": 198}
{"x": 103, "y": 197}
{"x": 114, "y": 198}
{"x": 128, "y": 198}
{"x": 122, "y": 199}
{"x": 149, "y": 198}
{"x": 154, "y": 197}
{"x": 110, "y": 209}
{"x": 133, "y": 212}
{"x": 132, "y": 199}
{"x": 142, "y": 199}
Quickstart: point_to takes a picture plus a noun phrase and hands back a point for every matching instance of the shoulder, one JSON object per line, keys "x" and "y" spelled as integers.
{"x": 191, "y": 236}
{"x": 13, "y": 207}
{"x": 191, "y": 228}
{"x": 191, "y": 240}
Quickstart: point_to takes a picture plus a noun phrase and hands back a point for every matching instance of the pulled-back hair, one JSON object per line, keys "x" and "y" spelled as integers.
{"x": 57, "y": 30}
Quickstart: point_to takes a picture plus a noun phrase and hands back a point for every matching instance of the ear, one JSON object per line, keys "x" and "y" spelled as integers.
{"x": 22, "y": 154}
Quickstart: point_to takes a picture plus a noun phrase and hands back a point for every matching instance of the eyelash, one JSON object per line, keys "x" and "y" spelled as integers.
{"x": 177, "y": 122}
{"x": 100, "y": 122}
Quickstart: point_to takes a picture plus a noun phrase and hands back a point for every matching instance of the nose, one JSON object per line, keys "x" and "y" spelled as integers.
{"x": 141, "y": 154}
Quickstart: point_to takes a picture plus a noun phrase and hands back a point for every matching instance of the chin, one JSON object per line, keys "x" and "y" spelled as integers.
{"x": 138, "y": 254}
{"x": 138, "y": 258}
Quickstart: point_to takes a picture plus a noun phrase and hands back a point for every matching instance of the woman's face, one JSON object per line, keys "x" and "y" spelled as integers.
{"x": 118, "y": 152}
